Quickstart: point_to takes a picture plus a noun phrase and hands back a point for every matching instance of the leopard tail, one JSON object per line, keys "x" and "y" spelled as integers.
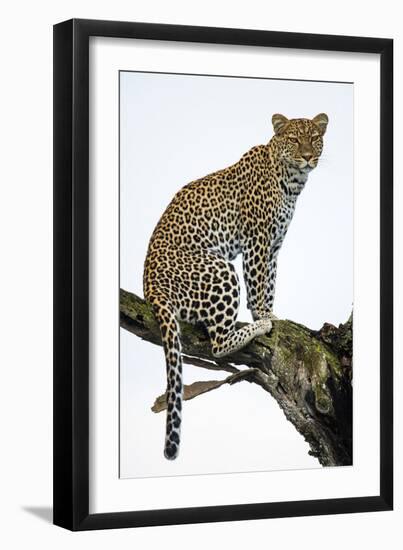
{"x": 170, "y": 335}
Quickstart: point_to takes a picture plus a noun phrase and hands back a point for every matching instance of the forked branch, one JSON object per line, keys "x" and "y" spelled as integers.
{"x": 307, "y": 372}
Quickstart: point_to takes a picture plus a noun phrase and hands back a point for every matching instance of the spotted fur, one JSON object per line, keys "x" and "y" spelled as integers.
{"x": 244, "y": 208}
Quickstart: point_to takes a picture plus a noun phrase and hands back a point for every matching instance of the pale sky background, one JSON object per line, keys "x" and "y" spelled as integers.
{"x": 174, "y": 129}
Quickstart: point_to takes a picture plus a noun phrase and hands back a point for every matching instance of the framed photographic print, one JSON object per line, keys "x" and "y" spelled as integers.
{"x": 223, "y": 320}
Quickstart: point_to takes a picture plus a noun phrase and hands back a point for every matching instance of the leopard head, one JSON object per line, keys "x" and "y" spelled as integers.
{"x": 299, "y": 141}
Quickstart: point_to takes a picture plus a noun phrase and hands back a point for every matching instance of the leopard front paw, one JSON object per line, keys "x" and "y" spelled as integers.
{"x": 272, "y": 317}
{"x": 262, "y": 314}
{"x": 263, "y": 326}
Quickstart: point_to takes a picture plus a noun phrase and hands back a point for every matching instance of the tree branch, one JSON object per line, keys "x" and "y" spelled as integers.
{"x": 307, "y": 372}
{"x": 198, "y": 388}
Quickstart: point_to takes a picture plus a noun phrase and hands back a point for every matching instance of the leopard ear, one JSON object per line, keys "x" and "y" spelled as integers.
{"x": 279, "y": 123}
{"x": 321, "y": 121}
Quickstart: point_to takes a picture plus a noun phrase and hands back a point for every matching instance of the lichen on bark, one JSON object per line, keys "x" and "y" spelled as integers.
{"x": 307, "y": 372}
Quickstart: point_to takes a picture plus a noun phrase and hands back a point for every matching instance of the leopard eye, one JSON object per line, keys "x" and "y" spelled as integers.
{"x": 293, "y": 139}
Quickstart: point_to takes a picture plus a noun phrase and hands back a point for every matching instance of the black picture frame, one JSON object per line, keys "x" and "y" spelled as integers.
{"x": 71, "y": 274}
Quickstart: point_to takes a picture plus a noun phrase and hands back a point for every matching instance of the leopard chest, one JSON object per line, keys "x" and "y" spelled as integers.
{"x": 280, "y": 222}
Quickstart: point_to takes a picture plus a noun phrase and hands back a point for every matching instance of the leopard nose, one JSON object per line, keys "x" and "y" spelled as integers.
{"x": 306, "y": 156}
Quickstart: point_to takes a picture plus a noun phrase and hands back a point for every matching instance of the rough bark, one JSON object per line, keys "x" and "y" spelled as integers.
{"x": 307, "y": 372}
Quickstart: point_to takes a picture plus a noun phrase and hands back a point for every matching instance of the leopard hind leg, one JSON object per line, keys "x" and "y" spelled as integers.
{"x": 224, "y": 297}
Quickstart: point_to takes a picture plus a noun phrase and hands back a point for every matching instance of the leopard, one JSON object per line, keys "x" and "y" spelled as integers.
{"x": 246, "y": 209}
